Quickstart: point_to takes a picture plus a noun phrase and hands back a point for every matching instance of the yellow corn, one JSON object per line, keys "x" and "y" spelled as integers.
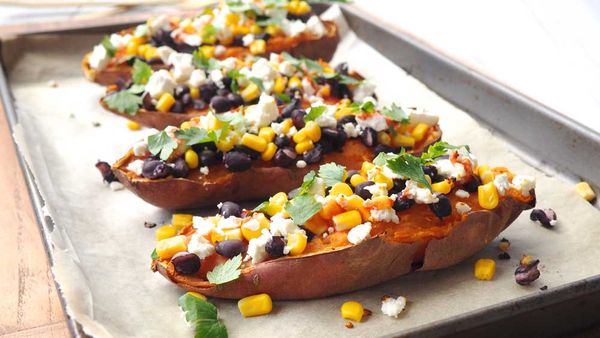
{"x": 191, "y": 158}
{"x": 142, "y": 49}
{"x": 185, "y": 125}
{"x": 248, "y": 232}
{"x": 208, "y": 51}
{"x": 231, "y": 19}
{"x": 286, "y": 125}
{"x": 487, "y": 196}
{"x": 255, "y": 29}
{"x": 584, "y": 190}
{"x": 272, "y": 30}
{"x": 181, "y": 220}
{"x": 403, "y": 141}
{"x": 443, "y": 187}
{"x": 325, "y": 91}
{"x": 256, "y": 305}
{"x": 347, "y": 220}
{"x": 197, "y": 295}
{"x": 240, "y": 30}
{"x": 168, "y": 247}
{"x": 226, "y": 144}
{"x": 304, "y": 146}
{"x": 267, "y": 133}
{"x": 254, "y": 142}
{"x": 384, "y": 138}
{"x": 233, "y": 234}
{"x": 352, "y": 310}
{"x": 300, "y": 136}
{"x": 419, "y": 131}
{"x": 297, "y": 243}
{"x": 481, "y": 169}
{"x": 258, "y": 47}
{"x": 268, "y": 154}
{"x": 356, "y": 202}
{"x": 330, "y": 208}
{"x": 340, "y": 189}
{"x": 279, "y": 85}
{"x": 217, "y": 236}
{"x": 132, "y": 125}
{"x": 316, "y": 224}
{"x": 250, "y": 93}
{"x": 276, "y": 203}
{"x": 381, "y": 178}
{"x": 487, "y": 176}
{"x": 313, "y": 131}
{"x": 294, "y": 82}
{"x": 342, "y": 111}
{"x": 165, "y": 102}
{"x": 357, "y": 179}
{"x": 150, "y": 53}
{"x": 195, "y": 93}
{"x": 365, "y": 167}
{"x": 485, "y": 269}
{"x": 165, "y": 231}
{"x": 132, "y": 47}
{"x": 526, "y": 259}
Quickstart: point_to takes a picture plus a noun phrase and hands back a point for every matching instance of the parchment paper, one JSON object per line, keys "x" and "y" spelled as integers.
{"x": 101, "y": 250}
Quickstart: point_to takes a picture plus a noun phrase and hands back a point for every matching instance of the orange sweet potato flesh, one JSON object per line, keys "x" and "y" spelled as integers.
{"x": 340, "y": 269}
{"x": 260, "y": 181}
{"x": 302, "y": 45}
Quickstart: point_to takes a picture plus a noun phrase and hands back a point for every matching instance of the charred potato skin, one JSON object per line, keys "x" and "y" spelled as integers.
{"x": 252, "y": 184}
{"x": 355, "y": 267}
{"x": 322, "y": 48}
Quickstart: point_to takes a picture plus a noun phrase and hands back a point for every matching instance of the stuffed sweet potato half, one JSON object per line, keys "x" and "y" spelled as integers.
{"x": 260, "y": 150}
{"x": 345, "y": 230}
{"x": 230, "y": 29}
{"x": 194, "y": 85}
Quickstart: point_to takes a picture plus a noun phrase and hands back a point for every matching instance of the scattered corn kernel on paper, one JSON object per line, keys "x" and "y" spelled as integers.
{"x": 101, "y": 249}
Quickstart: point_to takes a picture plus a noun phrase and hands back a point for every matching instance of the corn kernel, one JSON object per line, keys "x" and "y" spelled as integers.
{"x": 185, "y": 125}
{"x": 341, "y": 189}
{"x": 279, "y": 85}
{"x": 267, "y": 133}
{"x": 196, "y": 295}
{"x": 132, "y": 47}
{"x": 286, "y": 125}
{"x": 443, "y": 187}
{"x": 313, "y": 131}
{"x": 304, "y": 146}
{"x": 268, "y": 154}
{"x": 384, "y": 138}
{"x": 258, "y": 47}
{"x": 403, "y": 141}
{"x": 232, "y": 19}
{"x": 256, "y": 305}
{"x": 485, "y": 269}
{"x": 181, "y": 220}
{"x": 297, "y": 243}
{"x": 195, "y": 93}
{"x": 330, "y": 209}
{"x": 249, "y": 229}
{"x": 365, "y": 167}
{"x": 381, "y": 178}
{"x": 316, "y": 224}
{"x": 165, "y": 102}
{"x": 488, "y": 196}
{"x": 168, "y": 247}
{"x": 142, "y": 49}
{"x": 276, "y": 203}
{"x": 191, "y": 159}
{"x": 481, "y": 169}
{"x": 487, "y": 176}
{"x": 208, "y": 51}
{"x": 356, "y": 202}
{"x": 233, "y": 234}
{"x": 272, "y": 30}
{"x": 240, "y": 30}
{"x": 294, "y": 82}
{"x": 255, "y": 29}
{"x": 347, "y": 220}
{"x": 302, "y": 8}
{"x": 254, "y": 142}
{"x": 226, "y": 144}
{"x": 300, "y": 136}
{"x": 325, "y": 91}
{"x": 419, "y": 131}
{"x": 584, "y": 190}
{"x": 357, "y": 179}
{"x": 165, "y": 231}
{"x": 342, "y": 111}
{"x": 132, "y": 125}
{"x": 250, "y": 93}
{"x": 150, "y": 53}
{"x": 352, "y": 310}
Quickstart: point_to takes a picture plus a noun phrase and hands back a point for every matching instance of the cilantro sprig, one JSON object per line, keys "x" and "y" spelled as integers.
{"x": 438, "y": 149}
{"x": 161, "y": 144}
{"x": 408, "y": 166}
{"x": 140, "y": 72}
{"x": 331, "y": 173}
{"x": 395, "y": 113}
{"x": 201, "y": 61}
{"x": 367, "y": 106}
{"x": 111, "y": 50}
{"x": 226, "y": 272}
{"x": 314, "y": 113}
{"x": 125, "y": 101}
{"x": 203, "y": 315}
{"x": 302, "y": 207}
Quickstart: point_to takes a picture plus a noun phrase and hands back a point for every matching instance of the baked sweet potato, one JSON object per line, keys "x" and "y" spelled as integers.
{"x": 422, "y": 237}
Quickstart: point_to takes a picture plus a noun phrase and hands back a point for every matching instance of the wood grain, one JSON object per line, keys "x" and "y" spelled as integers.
{"x": 29, "y": 303}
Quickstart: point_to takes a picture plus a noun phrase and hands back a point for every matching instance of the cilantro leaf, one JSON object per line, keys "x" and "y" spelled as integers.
{"x": 261, "y": 207}
{"x": 345, "y": 79}
{"x": 154, "y": 255}
{"x": 196, "y": 136}
{"x": 382, "y": 158}
{"x": 302, "y": 207}
{"x": 161, "y": 144}
{"x": 438, "y": 149}
{"x": 395, "y": 113}
{"x": 235, "y": 119}
{"x": 408, "y": 166}
{"x": 111, "y": 50}
{"x": 203, "y": 315}
{"x": 307, "y": 182}
{"x": 201, "y": 61}
{"x": 140, "y": 72}
{"x": 226, "y": 272}
{"x": 331, "y": 173}
{"x": 137, "y": 88}
{"x": 289, "y": 58}
{"x": 284, "y": 97}
{"x": 209, "y": 32}
{"x": 258, "y": 82}
{"x": 314, "y": 113}
{"x": 124, "y": 101}
{"x": 312, "y": 65}
{"x": 368, "y": 106}
{"x": 238, "y": 6}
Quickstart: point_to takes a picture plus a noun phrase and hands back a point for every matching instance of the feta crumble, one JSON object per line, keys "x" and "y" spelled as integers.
{"x": 420, "y": 195}
{"x": 262, "y": 113}
{"x": 203, "y": 225}
{"x": 359, "y": 233}
{"x": 160, "y": 82}
{"x": 501, "y": 183}
{"x": 256, "y": 247}
{"x": 375, "y": 121}
{"x": 204, "y": 170}
{"x": 140, "y": 148}
{"x": 462, "y": 193}
{"x": 136, "y": 167}
{"x": 315, "y": 26}
{"x": 523, "y": 183}
{"x": 301, "y": 164}
{"x": 385, "y": 215}
{"x": 393, "y": 306}
{"x": 200, "y": 246}
{"x": 350, "y": 130}
{"x": 99, "y": 58}
{"x": 462, "y": 208}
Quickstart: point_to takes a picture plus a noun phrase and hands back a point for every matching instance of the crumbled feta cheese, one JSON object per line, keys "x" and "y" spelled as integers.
{"x": 164, "y": 52}
{"x": 182, "y": 66}
{"x": 462, "y": 208}
{"x": 462, "y": 194}
{"x": 375, "y": 121}
{"x": 307, "y": 87}
{"x": 385, "y": 215}
{"x": 430, "y": 120}
{"x": 523, "y": 183}
{"x": 263, "y": 70}
{"x": 359, "y": 233}
{"x": 160, "y": 82}
{"x": 281, "y": 226}
{"x": 293, "y": 28}
{"x": 248, "y": 39}
{"x": 420, "y": 195}
{"x": 286, "y": 68}
{"x": 99, "y": 58}
{"x": 252, "y": 225}
{"x": 301, "y": 164}
{"x": 256, "y": 247}
{"x": 501, "y": 183}
{"x": 159, "y": 22}
{"x": 200, "y": 246}
{"x": 216, "y": 75}
{"x": 118, "y": 40}
{"x": 140, "y": 148}
{"x": 315, "y": 27}
{"x": 220, "y": 50}
{"x": 277, "y": 128}
{"x": 463, "y": 154}
{"x": 204, "y": 170}
{"x": 116, "y": 186}
{"x": 377, "y": 189}
{"x": 229, "y": 63}
{"x": 393, "y": 307}
{"x": 292, "y": 132}
{"x": 446, "y": 168}
{"x": 327, "y": 119}
{"x": 390, "y": 173}
{"x": 136, "y": 167}
{"x": 262, "y": 113}
{"x": 350, "y": 130}
{"x": 318, "y": 187}
{"x": 203, "y": 225}
{"x": 197, "y": 78}
{"x": 192, "y": 39}
{"x": 364, "y": 90}
{"x": 230, "y": 222}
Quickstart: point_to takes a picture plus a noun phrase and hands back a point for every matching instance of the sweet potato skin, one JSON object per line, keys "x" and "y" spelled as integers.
{"x": 256, "y": 183}
{"x": 355, "y": 267}
{"x": 322, "y": 48}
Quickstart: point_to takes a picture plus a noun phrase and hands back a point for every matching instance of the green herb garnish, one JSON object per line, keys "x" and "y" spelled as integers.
{"x": 111, "y": 50}
{"x": 203, "y": 315}
{"x": 141, "y": 72}
{"x": 154, "y": 255}
{"x": 261, "y": 207}
{"x": 161, "y": 144}
{"x": 314, "y": 113}
{"x": 195, "y": 135}
{"x": 226, "y": 272}
{"x": 125, "y": 101}
{"x": 395, "y": 113}
{"x": 438, "y": 149}
{"x": 408, "y": 166}
{"x": 307, "y": 182}
{"x": 331, "y": 173}
{"x": 302, "y": 207}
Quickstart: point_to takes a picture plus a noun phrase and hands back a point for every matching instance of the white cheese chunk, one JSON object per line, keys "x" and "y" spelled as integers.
{"x": 375, "y": 121}
{"x": 220, "y": 50}
{"x": 420, "y": 195}
{"x": 136, "y": 167}
{"x": 307, "y": 87}
{"x": 359, "y": 233}
{"x": 263, "y": 70}
{"x": 248, "y": 39}
{"x": 286, "y": 68}
{"x": 377, "y": 189}
{"x": 385, "y": 215}
{"x": 140, "y": 148}
{"x": 256, "y": 247}
{"x": 159, "y": 22}
{"x": 462, "y": 208}
{"x": 350, "y": 130}
{"x": 99, "y": 58}
{"x": 293, "y": 28}
{"x": 301, "y": 164}
{"x": 200, "y": 246}
{"x": 524, "y": 184}
{"x": 229, "y": 63}
{"x": 393, "y": 307}
{"x": 202, "y": 225}
{"x": 204, "y": 170}
{"x": 164, "y": 52}
{"x": 216, "y": 75}
{"x": 448, "y": 169}
{"x": 230, "y": 222}
{"x": 160, "y": 82}
{"x": 197, "y": 78}
{"x": 462, "y": 193}
{"x": 315, "y": 27}
{"x": 363, "y": 90}
{"x": 262, "y": 113}
{"x": 501, "y": 183}
{"x": 281, "y": 226}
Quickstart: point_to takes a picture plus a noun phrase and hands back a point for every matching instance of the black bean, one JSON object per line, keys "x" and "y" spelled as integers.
{"x": 314, "y": 155}
{"x": 230, "y": 248}
{"x": 369, "y": 137}
{"x": 186, "y": 263}
{"x": 208, "y": 157}
{"x": 293, "y": 92}
{"x": 177, "y": 107}
{"x": 147, "y": 102}
{"x": 402, "y": 204}
{"x": 298, "y": 118}
{"x": 181, "y": 90}
{"x": 185, "y": 48}
{"x": 263, "y": 36}
{"x": 382, "y": 148}
{"x": 106, "y": 172}
{"x": 208, "y": 90}
{"x": 309, "y": 234}
{"x": 442, "y": 208}
{"x": 430, "y": 170}
{"x": 342, "y": 68}
{"x": 223, "y": 92}
{"x": 131, "y": 60}
{"x": 237, "y": 161}
{"x": 282, "y": 141}
{"x": 399, "y": 185}
{"x": 284, "y": 157}
{"x": 347, "y": 119}
{"x": 220, "y": 104}
{"x": 330, "y": 133}
{"x": 186, "y": 99}
{"x": 255, "y": 155}
{"x": 235, "y": 100}
{"x": 473, "y": 184}
{"x": 238, "y": 41}
{"x": 361, "y": 191}
{"x": 287, "y": 111}
{"x": 325, "y": 145}
{"x": 229, "y": 208}
{"x": 155, "y": 169}
{"x": 351, "y": 173}
{"x": 525, "y": 274}
{"x": 339, "y": 142}
{"x": 545, "y": 216}
{"x": 275, "y": 246}
{"x": 181, "y": 168}
{"x": 227, "y": 81}
{"x": 199, "y": 105}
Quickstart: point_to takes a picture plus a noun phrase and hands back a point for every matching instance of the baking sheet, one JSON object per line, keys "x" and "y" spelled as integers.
{"x": 101, "y": 249}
